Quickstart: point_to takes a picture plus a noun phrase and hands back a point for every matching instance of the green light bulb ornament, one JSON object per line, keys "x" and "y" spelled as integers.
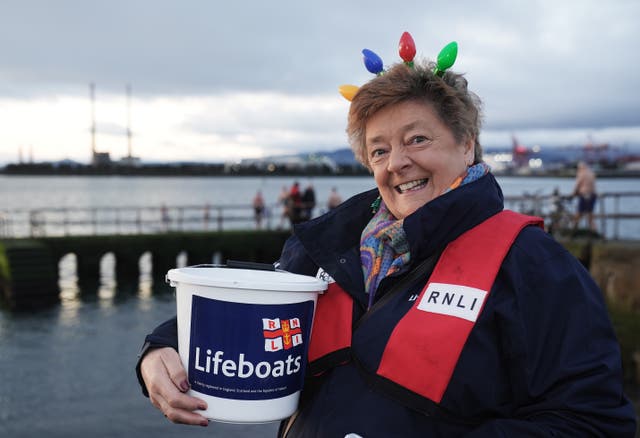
{"x": 446, "y": 58}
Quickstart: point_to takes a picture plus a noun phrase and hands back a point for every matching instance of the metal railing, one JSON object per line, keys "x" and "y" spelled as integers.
{"x": 617, "y": 216}
{"x": 613, "y": 219}
{"x": 131, "y": 220}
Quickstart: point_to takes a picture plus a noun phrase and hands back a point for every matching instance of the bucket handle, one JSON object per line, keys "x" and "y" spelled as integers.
{"x": 238, "y": 264}
{"x": 233, "y": 264}
{"x": 250, "y": 265}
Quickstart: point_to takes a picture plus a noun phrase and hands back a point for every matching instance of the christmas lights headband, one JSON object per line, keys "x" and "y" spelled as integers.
{"x": 407, "y": 50}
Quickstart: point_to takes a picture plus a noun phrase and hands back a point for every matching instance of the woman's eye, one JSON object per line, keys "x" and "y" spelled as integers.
{"x": 418, "y": 139}
{"x": 376, "y": 155}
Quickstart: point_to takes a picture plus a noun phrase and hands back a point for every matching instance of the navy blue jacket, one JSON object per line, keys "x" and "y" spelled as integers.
{"x": 542, "y": 359}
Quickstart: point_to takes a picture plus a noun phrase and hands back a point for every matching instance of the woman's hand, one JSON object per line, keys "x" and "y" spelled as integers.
{"x": 166, "y": 381}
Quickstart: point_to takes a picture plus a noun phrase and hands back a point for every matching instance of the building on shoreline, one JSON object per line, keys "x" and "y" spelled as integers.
{"x": 518, "y": 160}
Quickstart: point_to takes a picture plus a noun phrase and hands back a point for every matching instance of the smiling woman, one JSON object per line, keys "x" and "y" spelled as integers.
{"x": 446, "y": 315}
{"x": 413, "y": 156}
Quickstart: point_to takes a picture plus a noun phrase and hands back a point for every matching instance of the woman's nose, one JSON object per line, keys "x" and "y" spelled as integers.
{"x": 398, "y": 159}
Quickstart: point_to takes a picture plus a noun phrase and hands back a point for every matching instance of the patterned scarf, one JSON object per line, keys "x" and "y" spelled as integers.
{"x": 384, "y": 248}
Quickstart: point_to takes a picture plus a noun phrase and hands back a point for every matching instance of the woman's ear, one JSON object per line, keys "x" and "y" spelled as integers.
{"x": 470, "y": 151}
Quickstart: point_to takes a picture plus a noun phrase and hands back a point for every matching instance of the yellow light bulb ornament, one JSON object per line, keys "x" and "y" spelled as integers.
{"x": 348, "y": 91}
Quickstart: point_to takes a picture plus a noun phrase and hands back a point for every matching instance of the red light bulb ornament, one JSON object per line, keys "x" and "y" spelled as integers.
{"x": 407, "y": 49}
{"x": 446, "y": 58}
{"x": 372, "y": 61}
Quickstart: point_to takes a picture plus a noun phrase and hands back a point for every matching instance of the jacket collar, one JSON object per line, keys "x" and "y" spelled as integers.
{"x": 434, "y": 225}
{"x": 333, "y": 240}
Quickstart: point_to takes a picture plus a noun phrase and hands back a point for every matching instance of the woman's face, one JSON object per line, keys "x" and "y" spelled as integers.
{"x": 413, "y": 155}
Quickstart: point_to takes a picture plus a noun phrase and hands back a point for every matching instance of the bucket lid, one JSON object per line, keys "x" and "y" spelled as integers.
{"x": 246, "y": 279}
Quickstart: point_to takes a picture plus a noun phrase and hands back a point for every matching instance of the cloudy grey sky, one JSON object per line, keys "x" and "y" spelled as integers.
{"x": 215, "y": 81}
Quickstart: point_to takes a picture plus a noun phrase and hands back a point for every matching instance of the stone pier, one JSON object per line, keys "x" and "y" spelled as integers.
{"x": 29, "y": 267}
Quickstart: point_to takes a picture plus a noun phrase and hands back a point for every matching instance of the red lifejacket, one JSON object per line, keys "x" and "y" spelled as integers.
{"x": 447, "y": 308}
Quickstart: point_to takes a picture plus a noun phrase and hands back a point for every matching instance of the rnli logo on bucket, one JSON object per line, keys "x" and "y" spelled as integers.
{"x": 248, "y": 351}
{"x": 324, "y": 276}
{"x": 281, "y": 334}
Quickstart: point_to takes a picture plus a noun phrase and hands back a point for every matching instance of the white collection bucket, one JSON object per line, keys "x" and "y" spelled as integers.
{"x": 243, "y": 337}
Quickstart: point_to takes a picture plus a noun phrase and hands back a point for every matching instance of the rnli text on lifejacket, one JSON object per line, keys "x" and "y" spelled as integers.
{"x": 453, "y": 300}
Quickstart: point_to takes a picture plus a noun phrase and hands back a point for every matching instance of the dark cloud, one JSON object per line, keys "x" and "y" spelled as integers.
{"x": 541, "y": 64}
{"x": 174, "y": 47}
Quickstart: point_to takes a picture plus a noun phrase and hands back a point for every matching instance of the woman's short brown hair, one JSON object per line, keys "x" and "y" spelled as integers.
{"x": 458, "y": 108}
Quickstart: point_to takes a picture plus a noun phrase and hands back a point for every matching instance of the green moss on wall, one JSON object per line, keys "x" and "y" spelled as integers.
{"x": 627, "y": 326}
{"x": 5, "y": 273}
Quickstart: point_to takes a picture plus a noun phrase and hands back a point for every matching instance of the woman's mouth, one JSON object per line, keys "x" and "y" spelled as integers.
{"x": 411, "y": 185}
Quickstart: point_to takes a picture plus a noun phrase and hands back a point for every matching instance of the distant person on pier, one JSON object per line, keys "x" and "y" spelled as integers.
{"x": 207, "y": 215}
{"x": 334, "y": 199}
{"x": 165, "y": 218}
{"x": 295, "y": 204}
{"x": 585, "y": 190}
{"x": 36, "y": 223}
{"x": 308, "y": 202}
{"x": 283, "y": 201}
{"x": 258, "y": 209}
{"x": 446, "y": 315}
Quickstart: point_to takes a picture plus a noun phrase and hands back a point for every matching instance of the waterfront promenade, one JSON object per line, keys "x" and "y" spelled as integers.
{"x": 616, "y": 214}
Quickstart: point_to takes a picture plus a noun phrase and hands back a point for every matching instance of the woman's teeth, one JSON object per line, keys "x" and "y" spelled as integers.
{"x": 411, "y": 185}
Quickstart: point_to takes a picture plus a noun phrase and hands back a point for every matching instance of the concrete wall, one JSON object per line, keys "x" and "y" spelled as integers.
{"x": 615, "y": 266}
